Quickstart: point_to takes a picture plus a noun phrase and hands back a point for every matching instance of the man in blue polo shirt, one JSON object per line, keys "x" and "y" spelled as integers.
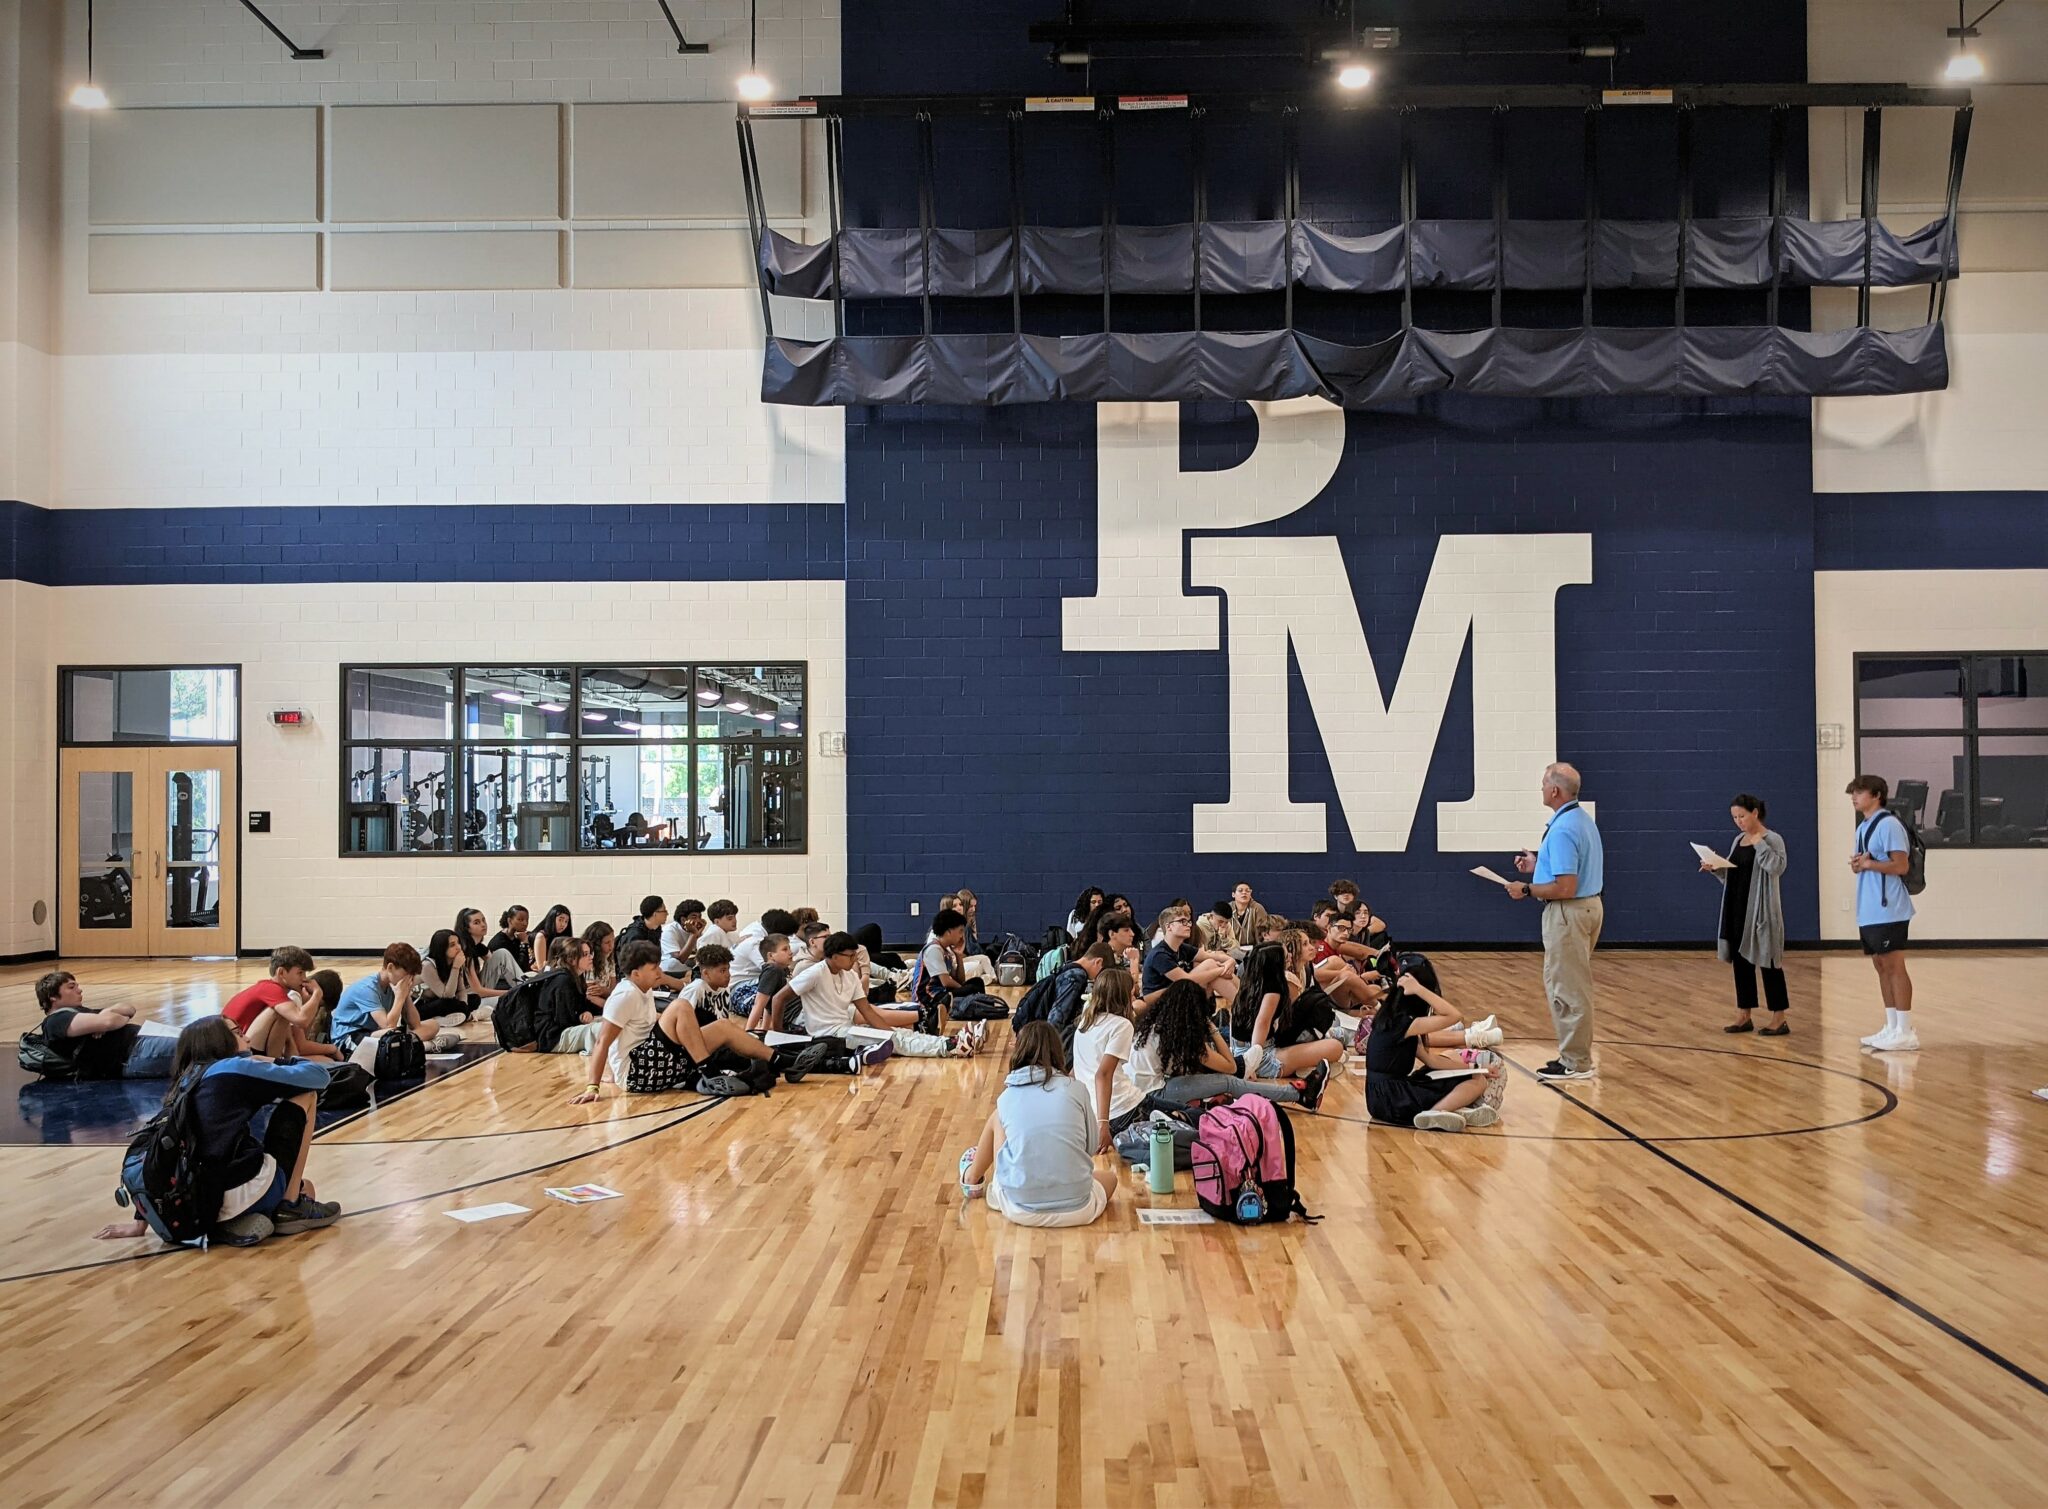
{"x": 1565, "y": 874}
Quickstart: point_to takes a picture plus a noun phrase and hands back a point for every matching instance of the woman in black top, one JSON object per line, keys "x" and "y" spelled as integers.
{"x": 1397, "y": 1058}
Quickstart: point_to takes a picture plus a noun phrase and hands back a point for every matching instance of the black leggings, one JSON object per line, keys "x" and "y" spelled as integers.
{"x": 1745, "y": 986}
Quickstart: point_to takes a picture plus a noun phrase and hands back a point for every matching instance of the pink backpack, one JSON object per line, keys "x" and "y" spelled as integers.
{"x": 1244, "y": 1163}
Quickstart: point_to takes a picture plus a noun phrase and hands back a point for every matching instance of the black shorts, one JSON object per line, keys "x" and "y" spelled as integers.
{"x": 1883, "y": 937}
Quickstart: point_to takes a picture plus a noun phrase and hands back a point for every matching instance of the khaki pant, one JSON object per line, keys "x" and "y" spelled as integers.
{"x": 1571, "y": 929}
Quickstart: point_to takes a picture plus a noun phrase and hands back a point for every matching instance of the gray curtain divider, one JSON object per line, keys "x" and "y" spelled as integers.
{"x": 1694, "y": 362}
{"x": 1249, "y": 256}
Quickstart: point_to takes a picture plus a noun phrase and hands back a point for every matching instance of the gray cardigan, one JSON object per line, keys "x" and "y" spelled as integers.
{"x": 1763, "y": 930}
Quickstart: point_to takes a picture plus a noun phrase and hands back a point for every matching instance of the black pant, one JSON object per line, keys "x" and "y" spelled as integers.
{"x": 1745, "y": 986}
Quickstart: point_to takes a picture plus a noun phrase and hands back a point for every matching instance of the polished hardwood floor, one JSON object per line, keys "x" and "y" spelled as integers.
{"x": 1731, "y": 1271}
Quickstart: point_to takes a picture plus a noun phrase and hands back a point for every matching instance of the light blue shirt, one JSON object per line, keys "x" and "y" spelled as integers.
{"x": 351, "y": 1017}
{"x": 1047, "y": 1160}
{"x": 1881, "y": 898}
{"x": 1571, "y": 846}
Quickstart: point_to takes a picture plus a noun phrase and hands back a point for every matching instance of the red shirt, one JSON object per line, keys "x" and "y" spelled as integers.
{"x": 251, "y": 1003}
{"x": 1321, "y": 951}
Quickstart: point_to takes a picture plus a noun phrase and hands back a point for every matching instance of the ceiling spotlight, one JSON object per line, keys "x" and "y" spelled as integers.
{"x": 1354, "y": 76}
{"x": 89, "y": 97}
{"x": 752, "y": 86}
{"x": 1967, "y": 65}
{"x": 1962, "y": 68}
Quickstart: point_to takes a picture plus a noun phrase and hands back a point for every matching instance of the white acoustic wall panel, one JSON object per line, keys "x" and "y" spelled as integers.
{"x": 204, "y": 167}
{"x": 383, "y": 260}
{"x": 679, "y": 162}
{"x": 663, "y": 259}
{"x": 254, "y": 262}
{"x": 446, "y": 162}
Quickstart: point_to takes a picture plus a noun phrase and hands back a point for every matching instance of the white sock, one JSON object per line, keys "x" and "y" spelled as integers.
{"x": 1905, "y": 1020}
{"x": 1891, "y": 1020}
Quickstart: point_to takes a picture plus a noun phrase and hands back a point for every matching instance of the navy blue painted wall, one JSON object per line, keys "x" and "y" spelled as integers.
{"x": 981, "y": 753}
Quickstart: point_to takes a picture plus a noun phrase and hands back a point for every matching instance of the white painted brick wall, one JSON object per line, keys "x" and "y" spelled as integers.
{"x": 291, "y": 642}
{"x": 1971, "y": 893}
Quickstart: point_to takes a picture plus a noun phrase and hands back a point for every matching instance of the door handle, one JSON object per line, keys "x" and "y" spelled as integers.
{"x": 156, "y": 865}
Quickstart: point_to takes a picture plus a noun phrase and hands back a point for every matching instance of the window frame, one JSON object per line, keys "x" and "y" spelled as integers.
{"x": 1971, "y": 734}
{"x": 458, "y": 745}
{"x": 65, "y": 673}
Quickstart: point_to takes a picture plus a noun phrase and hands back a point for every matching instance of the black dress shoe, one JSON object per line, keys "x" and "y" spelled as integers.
{"x": 1744, "y": 1025}
{"x": 1783, "y": 1029}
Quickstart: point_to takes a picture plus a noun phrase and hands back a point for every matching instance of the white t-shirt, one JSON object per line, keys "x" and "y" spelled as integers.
{"x": 1143, "y": 1066}
{"x": 633, "y": 1012}
{"x": 746, "y": 959}
{"x": 675, "y": 939}
{"x": 713, "y": 933}
{"x": 829, "y": 998}
{"x": 1110, "y": 1037}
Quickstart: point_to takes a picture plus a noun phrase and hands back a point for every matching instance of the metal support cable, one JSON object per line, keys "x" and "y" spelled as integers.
{"x": 1780, "y": 126}
{"x": 835, "y": 181}
{"x": 1500, "y": 212}
{"x": 1591, "y": 150}
{"x": 1106, "y": 128}
{"x": 926, "y": 213}
{"x": 1290, "y": 189}
{"x": 1016, "y": 224}
{"x": 1958, "y": 150}
{"x": 1407, "y": 221}
{"x": 757, "y": 217}
{"x": 1873, "y": 129}
{"x": 1685, "y": 116}
{"x": 1198, "y": 161}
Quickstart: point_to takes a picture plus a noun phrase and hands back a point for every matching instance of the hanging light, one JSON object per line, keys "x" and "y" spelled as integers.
{"x": 1967, "y": 66}
{"x": 707, "y": 693}
{"x": 738, "y": 705}
{"x": 753, "y": 84}
{"x": 89, "y": 95}
{"x": 1354, "y": 75}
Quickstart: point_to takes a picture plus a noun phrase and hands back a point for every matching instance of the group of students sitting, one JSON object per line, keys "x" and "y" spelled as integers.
{"x": 1238, "y": 1001}
{"x": 1251, "y": 1004}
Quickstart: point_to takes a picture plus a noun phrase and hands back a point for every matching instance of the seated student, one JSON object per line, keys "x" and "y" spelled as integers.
{"x": 551, "y": 1012}
{"x": 940, "y": 975}
{"x": 558, "y": 923}
{"x": 1036, "y": 1156}
{"x": 259, "y": 1178}
{"x": 1247, "y": 917}
{"x": 680, "y": 936}
{"x": 1117, "y": 930}
{"x": 277, "y": 1014}
{"x": 383, "y": 1002}
{"x": 1169, "y": 961}
{"x": 973, "y": 954}
{"x": 687, "y": 1043}
{"x": 647, "y": 925}
{"x": 834, "y": 992}
{"x": 721, "y": 924}
{"x": 1102, "y": 1047}
{"x": 509, "y": 954}
{"x": 1333, "y": 968}
{"x": 1085, "y": 904}
{"x": 1367, "y": 930}
{"x": 711, "y": 993}
{"x": 1264, "y": 1028}
{"x": 1071, "y": 983}
{"x": 98, "y": 1044}
{"x": 330, "y": 991}
{"x": 653, "y": 926}
{"x": 448, "y": 987}
{"x": 1397, "y": 1058}
{"x": 807, "y": 947}
{"x": 746, "y": 955}
{"x": 470, "y": 927}
{"x": 1178, "y": 1055}
{"x": 601, "y": 970}
{"x": 775, "y": 1002}
{"x": 869, "y": 936}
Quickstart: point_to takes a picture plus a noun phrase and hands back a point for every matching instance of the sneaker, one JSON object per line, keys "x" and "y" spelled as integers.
{"x": 874, "y": 1053}
{"x": 1901, "y": 1040}
{"x": 245, "y": 1230}
{"x": 452, "y": 1019}
{"x": 1872, "y": 1040}
{"x": 1556, "y": 1070}
{"x": 1480, "y": 1115}
{"x": 1484, "y": 1024}
{"x": 813, "y": 1056}
{"x": 447, "y": 1040}
{"x": 1439, "y": 1121}
{"x": 303, "y": 1214}
{"x": 1483, "y": 1037}
{"x": 968, "y": 1191}
{"x": 1312, "y": 1085}
{"x": 976, "y": 1034}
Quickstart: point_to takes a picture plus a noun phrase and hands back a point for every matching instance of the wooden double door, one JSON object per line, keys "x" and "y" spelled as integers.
{"x": 146, "y": 851}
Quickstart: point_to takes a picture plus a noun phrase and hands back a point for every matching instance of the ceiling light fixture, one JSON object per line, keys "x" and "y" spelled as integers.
{"x": 738, "y": 705}
{"x": 788, "y": 723}
{"x": 508, "y": 697}
{"x": 593, "y": 717}
{"x": 89, "y": 95}
{"x": 753, "y": 84}
{"x": 1966, "y": 65}
{"x": 1354, "y": 76}
{"x": 552, "y": 707}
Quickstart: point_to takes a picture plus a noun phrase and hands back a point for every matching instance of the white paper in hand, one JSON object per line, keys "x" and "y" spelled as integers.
{"x": 1485, "y": 874}
{"x": 1710, "y": 859}
{"x": 778, "y": 1039}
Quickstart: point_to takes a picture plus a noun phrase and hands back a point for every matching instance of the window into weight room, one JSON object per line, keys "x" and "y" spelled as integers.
{"x": 573, "y": 759}
{"x": 1962, "y": 740}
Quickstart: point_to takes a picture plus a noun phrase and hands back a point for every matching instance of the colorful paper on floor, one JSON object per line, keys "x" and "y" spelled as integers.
{"x": 487, "y": 1212}
{"x": 585, "y": 1194}
{"x": 1175, "y": 1218}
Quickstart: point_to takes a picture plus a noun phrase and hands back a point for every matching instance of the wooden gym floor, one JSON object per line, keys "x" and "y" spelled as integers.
{"x": 1732, "y": 1271}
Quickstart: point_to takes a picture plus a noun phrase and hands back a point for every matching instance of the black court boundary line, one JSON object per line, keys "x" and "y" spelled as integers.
{"x": 1891, "y": 1102}
{"x": 690, "y": 1113}
{"x": 1863, "y": 1276}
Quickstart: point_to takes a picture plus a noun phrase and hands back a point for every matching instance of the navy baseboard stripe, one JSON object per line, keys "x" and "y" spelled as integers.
{"x": 627, "y": 542}
{"x": 1930, "y": 531}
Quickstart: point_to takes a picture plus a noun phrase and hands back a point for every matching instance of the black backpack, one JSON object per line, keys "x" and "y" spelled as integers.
{"x": 348, "y": 1088}
{"x": 162, "y": 1175}
{"x": 1036, "y": 1003}
{"x": 400, "y": 1055}
{"x": 1916, "y": 849}
{"x": 38, "y": 1057}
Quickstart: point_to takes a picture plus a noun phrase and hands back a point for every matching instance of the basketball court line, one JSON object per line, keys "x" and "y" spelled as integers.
{"x": 1861, "y": 1275}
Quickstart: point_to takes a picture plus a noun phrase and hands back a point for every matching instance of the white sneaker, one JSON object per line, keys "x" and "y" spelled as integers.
{"x": 1873, "y": 1041}
{"x": 1485, "y": 1025}
{"x": 1487, "y": 1036}
{"x": 447, "y": 1040}
{"x": 1904, "y": 1040}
